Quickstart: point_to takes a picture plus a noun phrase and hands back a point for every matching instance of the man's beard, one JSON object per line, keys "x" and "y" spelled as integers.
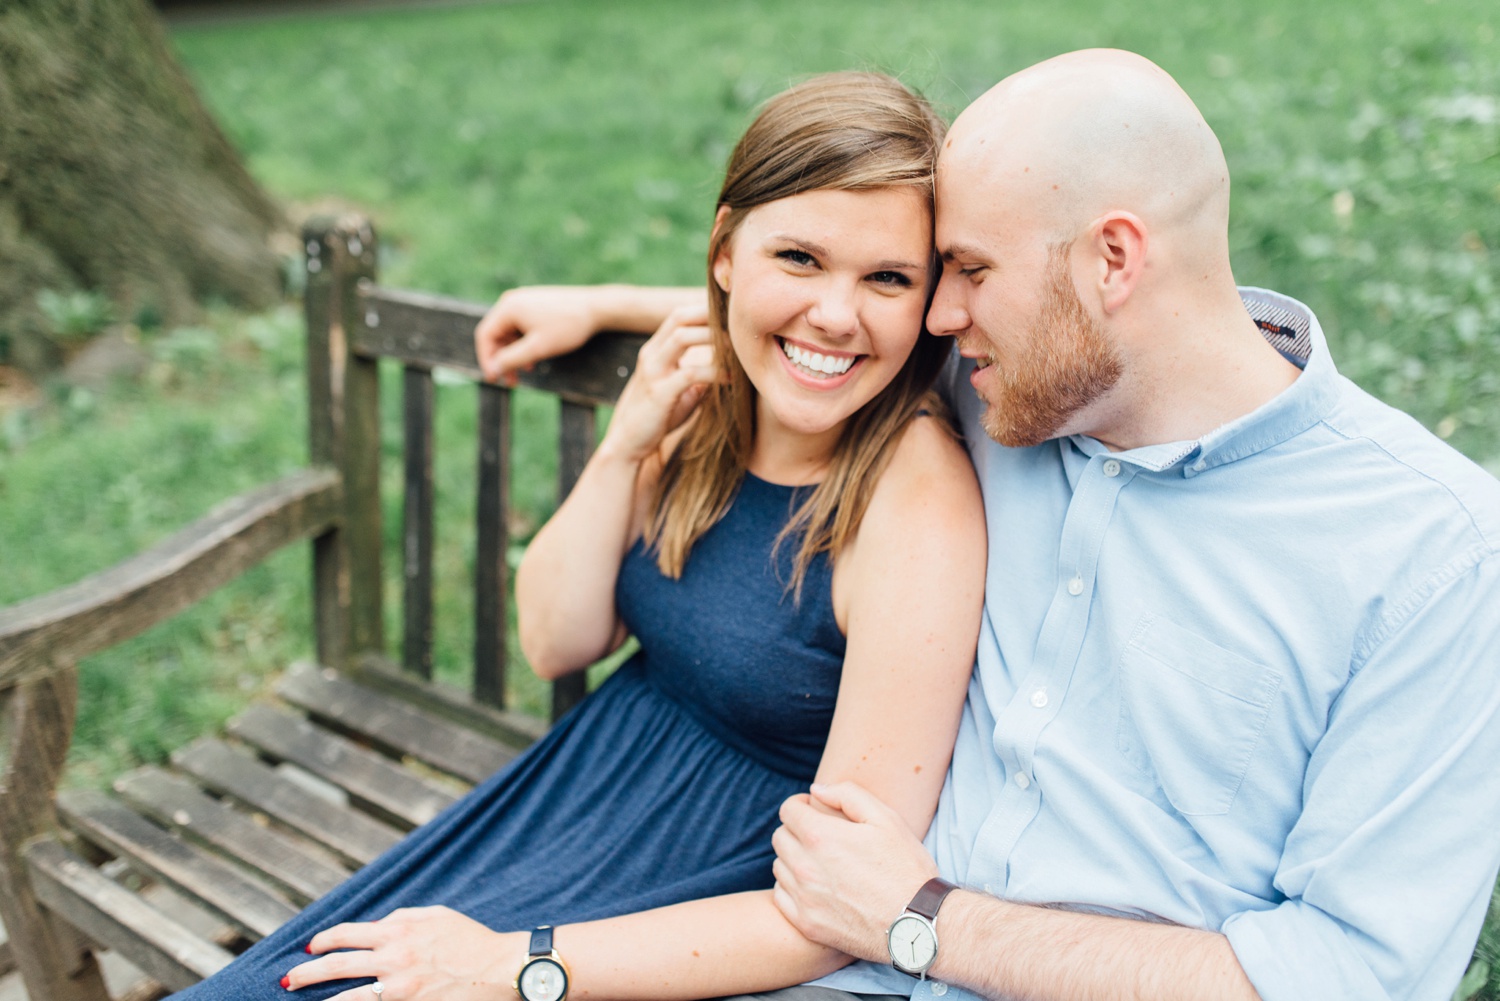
{"x": 1066, "y": 364}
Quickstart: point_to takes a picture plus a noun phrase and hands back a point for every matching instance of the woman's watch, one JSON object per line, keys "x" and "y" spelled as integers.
{"x": 544, "y": 976}
{"x": 912, "y": 938}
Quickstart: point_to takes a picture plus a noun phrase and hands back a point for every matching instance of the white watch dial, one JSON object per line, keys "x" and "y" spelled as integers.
{"x": 913, "y": 945}
{"x": 543, "y": 980}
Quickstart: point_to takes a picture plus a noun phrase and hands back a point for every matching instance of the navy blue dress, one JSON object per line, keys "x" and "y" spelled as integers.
{"x": 663, "y": 786}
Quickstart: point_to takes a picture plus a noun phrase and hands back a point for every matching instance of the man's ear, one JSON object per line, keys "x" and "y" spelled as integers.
{"x": 1120, "y": 241}
{"x": 721, "y": 263}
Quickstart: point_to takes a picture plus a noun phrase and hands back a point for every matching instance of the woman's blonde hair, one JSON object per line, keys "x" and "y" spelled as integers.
{"x": 840, "y": 131}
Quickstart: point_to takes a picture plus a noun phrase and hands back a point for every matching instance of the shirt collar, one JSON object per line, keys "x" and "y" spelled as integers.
{"x": 1291, "y": 328}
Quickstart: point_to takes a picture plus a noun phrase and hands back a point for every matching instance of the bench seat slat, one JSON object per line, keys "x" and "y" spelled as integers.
{"x": 237, "y": 897}
{"x": 392, "y": 725}
{"x": 301, "y": 868}
{"x": 114, "y": 917}
{"x": 366, "y": 776}
{"x": 353, "y": 836}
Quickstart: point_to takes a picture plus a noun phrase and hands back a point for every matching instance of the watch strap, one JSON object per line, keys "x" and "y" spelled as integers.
{"x": 541, "y": 941}
{"x": 929, "y": 898}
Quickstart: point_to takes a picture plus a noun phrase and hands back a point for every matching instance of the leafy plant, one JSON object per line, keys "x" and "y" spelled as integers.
{"x": 75, "y": 316}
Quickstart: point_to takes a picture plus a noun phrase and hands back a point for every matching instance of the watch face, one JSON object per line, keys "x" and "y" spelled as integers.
{"x": 912, "y": 943}
{"x": 543, "y": 980}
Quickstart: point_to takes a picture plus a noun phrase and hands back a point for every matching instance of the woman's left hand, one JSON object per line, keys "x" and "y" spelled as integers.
{"x": 417, "y": 954}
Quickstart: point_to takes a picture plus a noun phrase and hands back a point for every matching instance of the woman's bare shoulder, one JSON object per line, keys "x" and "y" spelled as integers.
{"x": 928, "y": 491}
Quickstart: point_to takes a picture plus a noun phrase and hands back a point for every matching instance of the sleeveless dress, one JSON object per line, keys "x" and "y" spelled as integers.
{"x": 662, "y": 786}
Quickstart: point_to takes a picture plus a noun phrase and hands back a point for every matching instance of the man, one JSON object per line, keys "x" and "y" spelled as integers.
{"x": 1232, "y": 729}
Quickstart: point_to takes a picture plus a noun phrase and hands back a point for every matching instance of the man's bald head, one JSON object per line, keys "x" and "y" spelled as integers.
{"x": 1085, "y": 133}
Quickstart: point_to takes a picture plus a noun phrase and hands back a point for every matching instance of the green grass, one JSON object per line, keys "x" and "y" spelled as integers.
{"x": 582, "y": 141}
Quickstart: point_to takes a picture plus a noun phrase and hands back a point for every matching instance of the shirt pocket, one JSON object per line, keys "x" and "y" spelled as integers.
{"x": 1191, "y": 714}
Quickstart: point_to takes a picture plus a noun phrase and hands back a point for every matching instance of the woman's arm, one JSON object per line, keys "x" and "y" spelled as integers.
{"x": 909, "y": 589}
{"x": 532, "y": 323}
{"x": 565, "y": 586}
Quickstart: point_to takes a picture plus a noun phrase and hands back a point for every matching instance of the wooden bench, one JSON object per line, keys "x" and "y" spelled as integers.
{"x": 244, "y": 828}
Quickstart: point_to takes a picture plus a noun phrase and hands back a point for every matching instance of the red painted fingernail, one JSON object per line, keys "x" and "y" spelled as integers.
{"x": 286, "y": 983}
{"x": 307, "y": 948}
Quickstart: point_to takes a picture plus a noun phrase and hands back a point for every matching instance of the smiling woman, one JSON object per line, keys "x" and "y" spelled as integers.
{"x": 641, "y": 825}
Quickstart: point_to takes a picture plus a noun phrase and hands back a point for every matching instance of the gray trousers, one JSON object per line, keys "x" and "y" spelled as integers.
{"x": 808, "y": 992}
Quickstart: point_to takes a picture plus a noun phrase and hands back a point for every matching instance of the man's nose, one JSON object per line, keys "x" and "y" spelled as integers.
{"x": 947, "y": 315}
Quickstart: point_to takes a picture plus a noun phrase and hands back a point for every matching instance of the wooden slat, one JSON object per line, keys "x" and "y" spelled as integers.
{"x": 370, "y": 779}
{"x": 491, "y": 574}
{"x": 101, "y": 610}
{"x": 303, "y": 870}
{"x": 392, "y": 725}
{"x": 116, "y": 918}
{"x": 451, "y": 703}
{"x": 416, "y": 550}
{"x": 435, "y": 330}
{"x": 351, "y": 835}
{"x": 359, "y": 449}
{"x": 248, "y": 905}
{"x": 576, "y": 433}
{"x": 325, "y": 351}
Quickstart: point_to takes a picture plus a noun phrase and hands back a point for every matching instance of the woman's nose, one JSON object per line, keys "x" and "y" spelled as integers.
{"x": 835, "y": 310}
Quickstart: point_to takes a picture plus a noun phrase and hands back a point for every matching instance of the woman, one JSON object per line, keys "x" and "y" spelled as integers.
{"x": 799, "y": 550}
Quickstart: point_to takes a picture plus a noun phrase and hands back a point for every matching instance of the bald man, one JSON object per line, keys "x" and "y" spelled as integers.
{"x": 1232, "y": 730}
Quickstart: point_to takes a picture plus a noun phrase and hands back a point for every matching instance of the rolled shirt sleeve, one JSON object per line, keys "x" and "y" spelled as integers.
{"x": 1388, "y": 870}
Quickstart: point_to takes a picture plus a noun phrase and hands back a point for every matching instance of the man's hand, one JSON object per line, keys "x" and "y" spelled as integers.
{"x": 532, "y": 324}
{"x": 846, "y": 865}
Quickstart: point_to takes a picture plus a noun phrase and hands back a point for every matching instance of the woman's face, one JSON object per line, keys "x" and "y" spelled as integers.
{"x": 826, "y": 295}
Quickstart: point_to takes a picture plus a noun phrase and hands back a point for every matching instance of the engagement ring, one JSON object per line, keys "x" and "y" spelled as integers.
{"x": 378, "y": 988}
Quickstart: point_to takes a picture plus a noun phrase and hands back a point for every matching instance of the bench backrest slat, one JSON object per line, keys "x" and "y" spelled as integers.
{"x": 417, "y": 399}
{"x": 492, "y": 540}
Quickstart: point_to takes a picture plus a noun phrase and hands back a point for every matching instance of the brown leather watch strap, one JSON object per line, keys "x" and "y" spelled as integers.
{"x": 930, "y": 897}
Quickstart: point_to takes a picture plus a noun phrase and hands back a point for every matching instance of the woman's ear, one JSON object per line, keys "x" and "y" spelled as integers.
{"x": 721, "y": 267}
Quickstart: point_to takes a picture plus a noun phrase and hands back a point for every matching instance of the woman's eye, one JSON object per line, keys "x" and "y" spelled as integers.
{"x": 799, "y": 257}
{"x": 893, "y": 278}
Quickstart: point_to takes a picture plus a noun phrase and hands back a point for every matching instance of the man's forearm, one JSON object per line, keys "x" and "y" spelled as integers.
{"x": 999, "y": 949}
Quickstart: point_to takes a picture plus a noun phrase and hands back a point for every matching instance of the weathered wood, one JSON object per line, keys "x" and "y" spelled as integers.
{"x": 392, "y": 725}
{"x": 57, "y": 628}
{"x": 228, "y": 892}
{"x": 38, "y": 717}
{"x": 353, "y": 836}
{"x": 437, "y": 331}
{"x": 116, "y": 918}
{"x": 416, "y": 549}
{"x": 576, "y": 435}
{"x": 302, "y": 869}
{"x": 492, "y": 539}
{"x": 325, "y": 373}
{"x": 371, "y": 780}
{"x": 447, "y": 701}
{"x": 359, "y": 448}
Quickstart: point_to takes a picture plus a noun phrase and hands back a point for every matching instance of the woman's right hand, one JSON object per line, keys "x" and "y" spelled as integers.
{"x": 672, "y": 372}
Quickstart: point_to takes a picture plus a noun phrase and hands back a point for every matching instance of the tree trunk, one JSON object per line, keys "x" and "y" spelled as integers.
{"x": 113, "y": 177}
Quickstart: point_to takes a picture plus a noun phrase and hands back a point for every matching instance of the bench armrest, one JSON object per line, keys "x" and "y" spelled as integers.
{"x": 41, "y": 634}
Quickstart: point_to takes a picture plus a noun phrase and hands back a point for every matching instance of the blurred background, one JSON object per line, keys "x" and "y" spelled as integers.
{"x": 155, "y": 165}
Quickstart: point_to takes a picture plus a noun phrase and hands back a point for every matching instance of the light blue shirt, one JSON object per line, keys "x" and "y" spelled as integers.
{"x": 1247, "y": 683}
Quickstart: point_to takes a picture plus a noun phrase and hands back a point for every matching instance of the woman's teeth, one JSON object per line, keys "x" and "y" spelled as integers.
{"x": 817, "y": 365}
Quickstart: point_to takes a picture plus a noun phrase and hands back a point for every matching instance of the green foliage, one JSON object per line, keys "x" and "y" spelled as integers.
{"x": 75, "y": 316}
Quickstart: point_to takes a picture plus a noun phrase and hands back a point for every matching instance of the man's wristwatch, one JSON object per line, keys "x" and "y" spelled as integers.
{"x": 912, "y": 938}
{"x": 544, "y": 976}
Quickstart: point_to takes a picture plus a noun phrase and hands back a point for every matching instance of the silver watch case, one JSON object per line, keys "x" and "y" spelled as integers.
{"x": 908, "y": 930}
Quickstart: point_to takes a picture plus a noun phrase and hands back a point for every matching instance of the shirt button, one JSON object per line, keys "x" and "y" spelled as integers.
{"x": 989, "y": 890}
{"x": 939, "y": 988}
{"x": 1039, "y": 698}
{"x": 1111, "y": 467}
{"x": 1200, "y": 466}
{"x": 1023, "y": 780}
{"x": 1075, "y": 586}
